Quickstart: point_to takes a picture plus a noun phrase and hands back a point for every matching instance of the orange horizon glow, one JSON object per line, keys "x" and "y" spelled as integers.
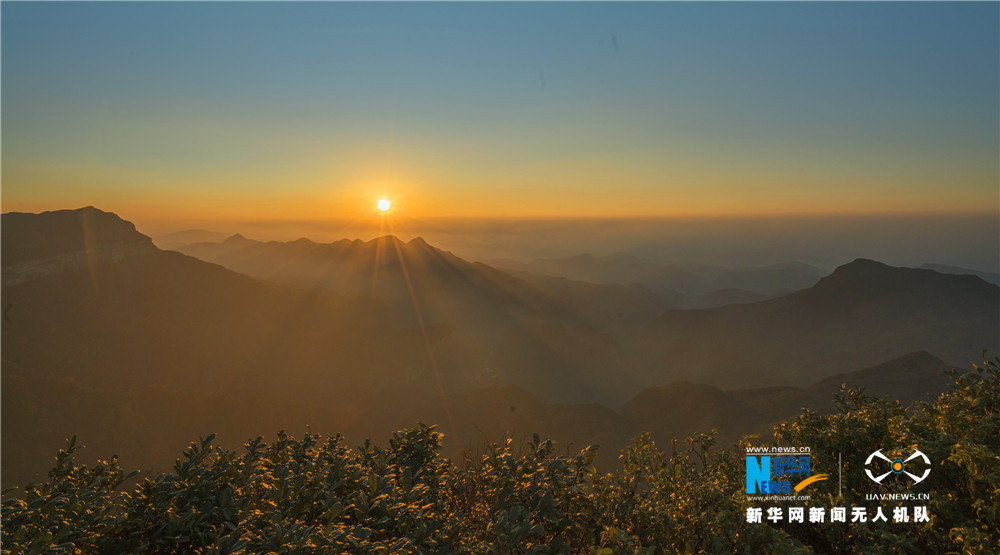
{"x": 163, "y": 216}
{"x": 467, "y": 132}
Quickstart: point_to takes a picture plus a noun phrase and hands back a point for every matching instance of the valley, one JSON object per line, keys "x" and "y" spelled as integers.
{"x": 109, "y": 337}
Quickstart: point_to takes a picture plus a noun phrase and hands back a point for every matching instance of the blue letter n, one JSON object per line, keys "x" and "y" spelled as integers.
{"x": 758, "y": 472}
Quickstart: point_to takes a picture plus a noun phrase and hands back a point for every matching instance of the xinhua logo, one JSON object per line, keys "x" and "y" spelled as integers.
{"x": 775, "y": 473}
{"x": 896, "y": 466}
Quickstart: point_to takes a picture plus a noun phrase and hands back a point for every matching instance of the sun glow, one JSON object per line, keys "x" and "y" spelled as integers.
{"x": 384, "y": 205}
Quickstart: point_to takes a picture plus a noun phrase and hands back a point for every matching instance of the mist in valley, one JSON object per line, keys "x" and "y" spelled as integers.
{"x": 962, "y": 240}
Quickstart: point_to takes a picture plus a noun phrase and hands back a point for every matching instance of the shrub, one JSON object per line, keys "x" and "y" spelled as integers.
{"x": 318, "y": 496}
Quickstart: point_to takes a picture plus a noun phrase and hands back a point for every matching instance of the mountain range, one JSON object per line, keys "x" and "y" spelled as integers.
{"x": 111, "y": 338}
{"x": 551, "y": 340}
{"x": 863, "y": 313}
{"x": 679, "y": 285}
{"x": 988, "y": 277}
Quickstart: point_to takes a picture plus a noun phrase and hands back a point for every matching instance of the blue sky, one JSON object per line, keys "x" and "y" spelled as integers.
{"x": 501, "y": 109}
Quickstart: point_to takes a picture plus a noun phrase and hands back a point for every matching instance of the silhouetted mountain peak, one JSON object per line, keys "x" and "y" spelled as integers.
{"x": 414, "y": 247}
{"x": 37, "y": 244}
{"x": 237, "y": 239}
{"x": 62, "y": 225}
{"x": 878, "y": 310}
{"x": 866, "y": 277}
{"x": 386, "y": 240}
{"x": 861, "y": 266}
{"x": 919, "y": 358}
{"x": 862, "y": 273}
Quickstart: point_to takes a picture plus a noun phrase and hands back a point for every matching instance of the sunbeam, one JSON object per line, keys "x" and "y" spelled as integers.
{"x": 452, "y": 429}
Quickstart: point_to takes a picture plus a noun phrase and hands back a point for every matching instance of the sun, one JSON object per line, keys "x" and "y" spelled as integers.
{"x": 384, "y": 205}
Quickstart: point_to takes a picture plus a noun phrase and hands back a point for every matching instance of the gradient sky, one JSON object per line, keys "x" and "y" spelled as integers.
{"x": 180, "y": 111}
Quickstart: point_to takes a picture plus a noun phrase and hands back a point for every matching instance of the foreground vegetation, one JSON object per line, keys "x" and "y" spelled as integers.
{"x": 317, "y": 495}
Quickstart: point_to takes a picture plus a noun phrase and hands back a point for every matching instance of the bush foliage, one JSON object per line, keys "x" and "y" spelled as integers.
{"x": 316, "y": 495}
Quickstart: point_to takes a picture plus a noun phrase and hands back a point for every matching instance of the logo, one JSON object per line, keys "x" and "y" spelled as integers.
{"x": 896, "y": 466}
{"x": 783, "y": 470}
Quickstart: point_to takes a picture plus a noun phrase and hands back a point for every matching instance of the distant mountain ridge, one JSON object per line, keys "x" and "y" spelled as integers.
{"x": 679, "y": 409}
{"x": 679, "y": 285}
{"x": 376, "y": 267}
{"x": 863, "y": 313}
{"x": 170, "y": 241}
{"x": 683, "y": 408}
{"x": 385, "y": 268}
{"x": 989, "y": 277}
{"x": 520, "y": 332}
{"x": 621, "y": 269}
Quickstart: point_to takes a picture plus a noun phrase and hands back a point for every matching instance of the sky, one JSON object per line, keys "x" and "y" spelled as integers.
{"x": 192, "y": 113}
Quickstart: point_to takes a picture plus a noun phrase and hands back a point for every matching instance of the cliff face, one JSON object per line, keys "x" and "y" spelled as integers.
{"x": 36, "y": 245}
